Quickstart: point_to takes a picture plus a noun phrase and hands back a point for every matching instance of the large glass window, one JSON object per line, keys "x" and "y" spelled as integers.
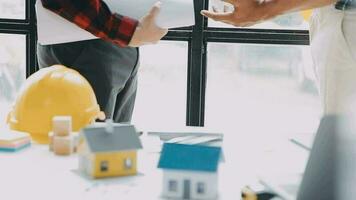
{"x": 173, "y": 74}
{"x": 261, "y": 88}
{"x": 12, "y": 9}
{"x": 12, "y": 69}
{"x": 17, "y": 49}
{"x": 161, "y": 96}
{"x": 184, "y": 96}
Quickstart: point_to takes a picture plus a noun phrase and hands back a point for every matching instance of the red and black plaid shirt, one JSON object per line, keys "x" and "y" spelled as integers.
{"x": 95, "y": 17}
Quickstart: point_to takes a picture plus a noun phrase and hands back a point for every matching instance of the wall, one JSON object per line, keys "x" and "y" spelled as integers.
{"x": 211, "y": 180}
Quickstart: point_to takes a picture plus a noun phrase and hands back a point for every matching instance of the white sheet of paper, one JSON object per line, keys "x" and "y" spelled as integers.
{"x": 53, "y": 29}
{"x": 173, "y": 14}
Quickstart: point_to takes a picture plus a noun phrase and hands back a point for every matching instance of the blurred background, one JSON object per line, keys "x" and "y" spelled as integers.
{"x": 12, "y": 56}
{"x": 250, "y": 87}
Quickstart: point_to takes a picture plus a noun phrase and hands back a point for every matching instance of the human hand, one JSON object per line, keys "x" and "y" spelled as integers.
{"x": 245, "y": 12}
{"x": 147, "y": 31}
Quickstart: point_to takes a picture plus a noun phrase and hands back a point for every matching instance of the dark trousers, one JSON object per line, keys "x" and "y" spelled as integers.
{"x": 111, "y": 71}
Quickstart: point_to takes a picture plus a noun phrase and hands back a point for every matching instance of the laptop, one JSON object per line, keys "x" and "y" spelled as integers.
{"x": 330, "y": 173}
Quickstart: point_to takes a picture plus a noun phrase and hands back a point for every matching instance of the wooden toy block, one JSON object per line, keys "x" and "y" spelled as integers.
{"x": 63, "y": 145}
{"x": 62, "y": 125}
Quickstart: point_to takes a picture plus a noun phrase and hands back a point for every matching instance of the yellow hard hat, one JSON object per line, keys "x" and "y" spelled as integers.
{"x": 53, "y": 91}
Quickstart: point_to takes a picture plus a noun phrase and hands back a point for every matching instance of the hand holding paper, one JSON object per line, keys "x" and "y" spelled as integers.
{"x": 250, "y": 12}
{"x": 147, "y": 32}
{"x": 244, "y": 13}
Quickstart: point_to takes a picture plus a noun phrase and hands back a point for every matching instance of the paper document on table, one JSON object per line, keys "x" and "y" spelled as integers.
{"x": 173, "y": 13}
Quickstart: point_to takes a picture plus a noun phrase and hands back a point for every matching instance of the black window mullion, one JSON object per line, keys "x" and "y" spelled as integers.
{"x": 178, "y": 35}
{"x": 25, "y": 27}
{"x": 257, "y": 36}
{"x": 197, "y": 69}
{"x": 12, "y": 21}
{"x": 11, "y": 27}
{"x": 31, "y": 54}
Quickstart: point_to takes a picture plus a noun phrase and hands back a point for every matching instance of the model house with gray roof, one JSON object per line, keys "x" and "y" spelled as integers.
{"x": 109, "y": 150}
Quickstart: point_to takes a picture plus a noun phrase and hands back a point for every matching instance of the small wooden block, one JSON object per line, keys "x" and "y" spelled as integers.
{"x": 63, "y": 145}
{"x": 62, "y": 125}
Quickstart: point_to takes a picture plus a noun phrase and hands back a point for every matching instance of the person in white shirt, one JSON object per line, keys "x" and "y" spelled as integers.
{"x": 333, "y": 41}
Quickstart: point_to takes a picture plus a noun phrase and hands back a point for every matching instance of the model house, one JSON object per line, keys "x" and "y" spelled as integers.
{"x": 189, "y": 171}
{"x": 109, "y": 150}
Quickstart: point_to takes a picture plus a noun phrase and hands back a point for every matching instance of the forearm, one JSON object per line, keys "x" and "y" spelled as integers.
{"x": 250, "y": 12}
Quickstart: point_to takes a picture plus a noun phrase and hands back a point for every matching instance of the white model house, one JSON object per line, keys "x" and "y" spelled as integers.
{"x": 190, "y": 171}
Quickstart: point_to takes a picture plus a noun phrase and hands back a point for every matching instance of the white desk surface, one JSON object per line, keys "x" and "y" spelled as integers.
{"x": 36, "y": 173}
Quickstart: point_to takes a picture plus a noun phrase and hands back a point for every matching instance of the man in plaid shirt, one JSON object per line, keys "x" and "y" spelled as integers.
{"x": 333, "y": 42}
{"x": 86, "y": 36}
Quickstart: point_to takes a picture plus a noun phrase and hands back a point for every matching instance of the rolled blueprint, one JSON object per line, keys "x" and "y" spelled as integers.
{"x": 173, "y": 13}
{"x": 53, "y": 29}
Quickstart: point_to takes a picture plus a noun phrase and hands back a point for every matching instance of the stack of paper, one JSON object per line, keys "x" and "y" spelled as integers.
{"x": 11, "y": 141}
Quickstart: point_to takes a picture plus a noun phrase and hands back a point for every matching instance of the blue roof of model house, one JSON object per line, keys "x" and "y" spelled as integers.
{"x": 189, "y": 157}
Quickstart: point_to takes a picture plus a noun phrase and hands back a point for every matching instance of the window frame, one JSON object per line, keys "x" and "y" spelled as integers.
{"x": 172, "y": 185}
{"x": 197, "y": 37}
{"x": 128, "y": 164}
{"x": 26, "y": 27}
{"x": 201, "y": 188}
{"x": 104, "y": 166}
